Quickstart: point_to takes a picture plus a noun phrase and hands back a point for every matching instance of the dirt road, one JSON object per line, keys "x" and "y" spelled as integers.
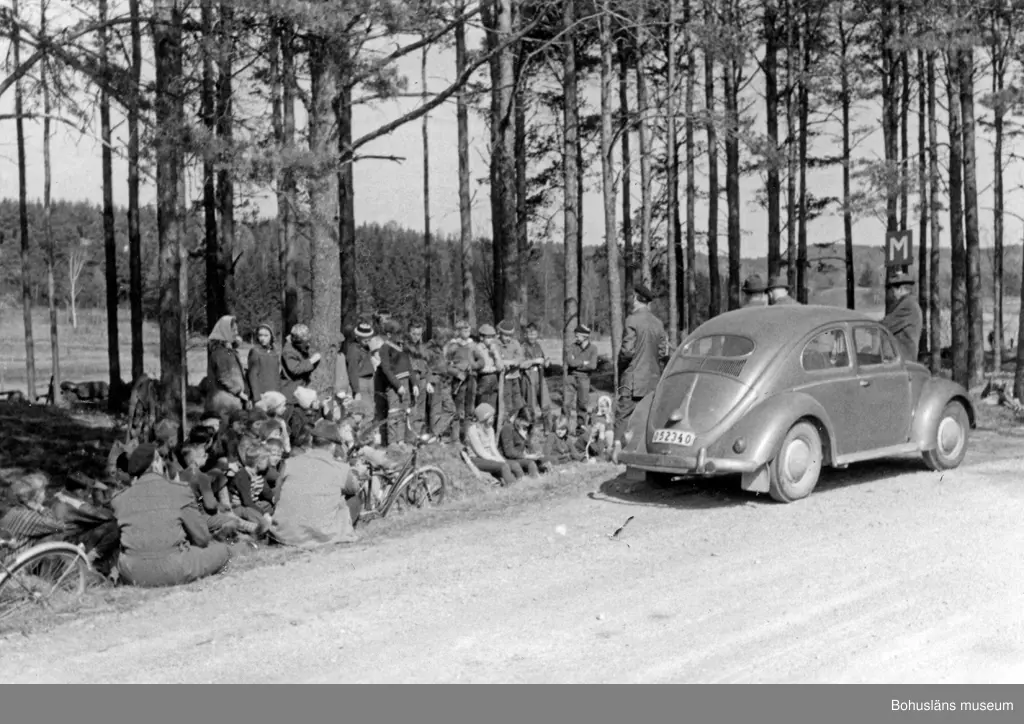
{"x": 886, "y": 574}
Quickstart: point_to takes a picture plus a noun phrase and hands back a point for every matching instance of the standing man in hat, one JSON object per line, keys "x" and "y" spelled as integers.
{"x": 487, "y": 380}
{"x": 360, "y": 366}
{"x": 644, "y": 346}
{"x": 511, "y": 352}
{"x": 906, "y": 320}
{"x": 778, "y": 292}
{"x": 427, "y": 397}
{"x": 580, "y": 361}
{"x": 754, "y": 292}
{"x": 463, "y": 362}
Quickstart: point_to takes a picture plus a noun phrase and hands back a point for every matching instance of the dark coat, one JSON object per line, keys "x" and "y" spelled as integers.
{"x": 296, "y": 369}
{"x": 225, "y": 370}
{"x": 644, "y": 345}
{"x": 906, "y": 321}
{"x": 264, "y": 371}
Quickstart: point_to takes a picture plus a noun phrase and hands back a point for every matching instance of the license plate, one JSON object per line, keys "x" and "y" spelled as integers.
{"x": 674, "y": 437}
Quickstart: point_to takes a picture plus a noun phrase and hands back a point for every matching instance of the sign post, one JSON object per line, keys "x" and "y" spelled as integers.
{"x": 899, "y": 248}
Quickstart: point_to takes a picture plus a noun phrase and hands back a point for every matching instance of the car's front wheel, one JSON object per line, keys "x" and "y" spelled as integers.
{"x": 950, "y": 438}
{"x": 794, "y": 472}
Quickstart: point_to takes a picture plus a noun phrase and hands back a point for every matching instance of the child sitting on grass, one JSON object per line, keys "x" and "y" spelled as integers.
{"x": 251, "y": 498}
{"x": 207, "y": 489}
{"x": 514, "y": 444}
{"x": 560, "y": 448}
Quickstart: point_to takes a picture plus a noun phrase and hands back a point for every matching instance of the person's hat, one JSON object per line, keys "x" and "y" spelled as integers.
{"x": 900, "y": 280}
{"x": 754, "y": 285}
{"x": 300, "y": 333}
{"x": 644, "y": 293}
{"x": 777, "y": 282}
{"x": 486, "y": 330}
{"x": 506, "y": 327}
{"x": 364, "y": 330}
{"x": 582, "y": 329}
{"x": 483, "y": 411}
{"x": 327, "y": 431}
{"x": 305, "y": 397}
{"x": 141, "y": 458}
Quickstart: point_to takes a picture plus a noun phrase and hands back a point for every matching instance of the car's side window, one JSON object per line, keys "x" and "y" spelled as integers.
{"x": 873, "y": 347}
{"x": 826, "y": 351}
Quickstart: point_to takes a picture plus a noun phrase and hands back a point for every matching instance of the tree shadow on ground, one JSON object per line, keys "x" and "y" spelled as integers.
{"x": 725, "y": 491}
{"x": 52, "y": 440}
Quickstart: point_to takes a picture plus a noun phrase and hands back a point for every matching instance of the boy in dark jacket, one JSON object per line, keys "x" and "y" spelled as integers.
{"x": 394, "y": 385}
{"x": 264, "y": 368}
{"x": 580, "y": 360}
{"x": 514, "y": 444}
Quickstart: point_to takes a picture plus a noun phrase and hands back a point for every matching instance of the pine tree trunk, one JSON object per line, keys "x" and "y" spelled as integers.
{"x": 845, "y": 103}
{"x": 26, "y": 271}
{"x": 522, "y": 221}
{"x": 225, "y": 176}
{"x": 608, "y": 187}
{"x": 890, "y": 131}
{"x": 324, "y": 207}
{"x": 347, "y": 259}
{"x": 792, "y": 263}
{"x": 714, "y": 272}
{"x": 51, "y": 255}
{"x": 731, "y": 72}
{"x": 923, "y": 288}
{"x": 287, "y": 212}
{"x": 215, "y": 303}
{"x": 629, "y": 268}
{"x": 904, "y": 61}
{"x": 167, "y": 40}
{"x": 570, "y": 203}
{"x": 690, "y": 320}
{"x": 934, "y": 302}
{"x": 134, "y": 230}
{"x": 673, "y": 243}
{"x": 109, "y": 240}
{"x": 998, "y": 82}
{"x": 465, "y": 202}
{"x": 644, "y": 134}
{"x": 975, "y": 303}
{"x": 958, "y": 292}
{"x": 804, "y": 112}
{"x": 427, "y": 254}
{"x": 773, "y": 184}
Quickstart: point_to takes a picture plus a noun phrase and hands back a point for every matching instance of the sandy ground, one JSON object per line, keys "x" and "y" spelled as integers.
{"x": 888, "y": 573}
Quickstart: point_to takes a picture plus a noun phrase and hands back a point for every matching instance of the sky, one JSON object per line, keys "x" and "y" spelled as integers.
{"x": 387, "y": 191}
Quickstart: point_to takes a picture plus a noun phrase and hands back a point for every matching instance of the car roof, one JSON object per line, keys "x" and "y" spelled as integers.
{"x": 777, "y": 325}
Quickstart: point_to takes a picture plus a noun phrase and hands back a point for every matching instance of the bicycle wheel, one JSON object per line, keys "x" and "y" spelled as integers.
{"x": 53, "y": 578}
{"x": 425, "y": 486}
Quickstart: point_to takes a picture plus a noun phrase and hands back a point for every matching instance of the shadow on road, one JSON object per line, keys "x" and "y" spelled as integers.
{"x": 725, "y": 491}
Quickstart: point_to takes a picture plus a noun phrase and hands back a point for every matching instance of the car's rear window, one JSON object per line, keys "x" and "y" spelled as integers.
{"x": 728, "y": 346}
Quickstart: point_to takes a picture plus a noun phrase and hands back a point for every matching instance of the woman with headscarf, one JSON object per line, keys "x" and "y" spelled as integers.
{"x": 297, "y": 364}
{"x": 264, "y": 364}
{"x": 226, "y": 387}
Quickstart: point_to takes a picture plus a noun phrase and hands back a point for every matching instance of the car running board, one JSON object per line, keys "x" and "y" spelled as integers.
{"x": 842, "y": 461}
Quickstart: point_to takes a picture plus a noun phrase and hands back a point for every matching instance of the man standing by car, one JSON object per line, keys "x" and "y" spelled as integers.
{"x": 905, "y": 320}
{"x": 754, "y": 292}
{"x": 644, "y": 346}
{"x": 778, "y": 292}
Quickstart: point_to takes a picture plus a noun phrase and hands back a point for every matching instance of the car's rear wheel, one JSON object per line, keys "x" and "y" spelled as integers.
{"x": 950, "y": 438}
{"x": 794, "y": 472}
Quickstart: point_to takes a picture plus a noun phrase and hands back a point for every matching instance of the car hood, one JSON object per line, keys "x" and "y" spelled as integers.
{"x": 698, "y": 401}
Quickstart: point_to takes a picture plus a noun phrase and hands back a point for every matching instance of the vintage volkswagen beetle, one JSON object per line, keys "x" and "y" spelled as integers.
{"x": 775, "y": 393}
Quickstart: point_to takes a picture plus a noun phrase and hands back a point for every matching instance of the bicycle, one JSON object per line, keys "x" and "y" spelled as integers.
{"x": 411, "y": 483}
{"x": 50, "y": 575}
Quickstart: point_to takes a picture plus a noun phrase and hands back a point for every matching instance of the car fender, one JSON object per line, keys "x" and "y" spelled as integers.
{"x": 935, "y": 395}
{"x": 636, "y": 427}
{"x": 764, "y": 426}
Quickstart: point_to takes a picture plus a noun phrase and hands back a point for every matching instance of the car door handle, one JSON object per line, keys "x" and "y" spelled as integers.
{"x": 865, "y": 383}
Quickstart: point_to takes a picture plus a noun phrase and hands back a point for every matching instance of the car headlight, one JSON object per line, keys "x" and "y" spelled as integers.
{"x": 739, "y": 446}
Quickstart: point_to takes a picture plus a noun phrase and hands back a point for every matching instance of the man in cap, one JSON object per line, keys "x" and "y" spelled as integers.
{"x": 323, "y": 501}
{"x": 360, "y": 366}
{"x": 906, "y": 320}
{"x": 395, "y": 384}
{"x": 580, "y": 361}
{"x": 511, "y": 352}
{"x": 754, "y": 292}
{"x": 164, "y": 539}
{"x": 487, "y": 380}
{"x": 644, "y": 346}
{"x": 463, "y": 361}
{"x": 778, "y": 292}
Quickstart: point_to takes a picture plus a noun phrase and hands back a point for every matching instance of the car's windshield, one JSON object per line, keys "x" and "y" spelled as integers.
{"x": 729, "y": 346}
